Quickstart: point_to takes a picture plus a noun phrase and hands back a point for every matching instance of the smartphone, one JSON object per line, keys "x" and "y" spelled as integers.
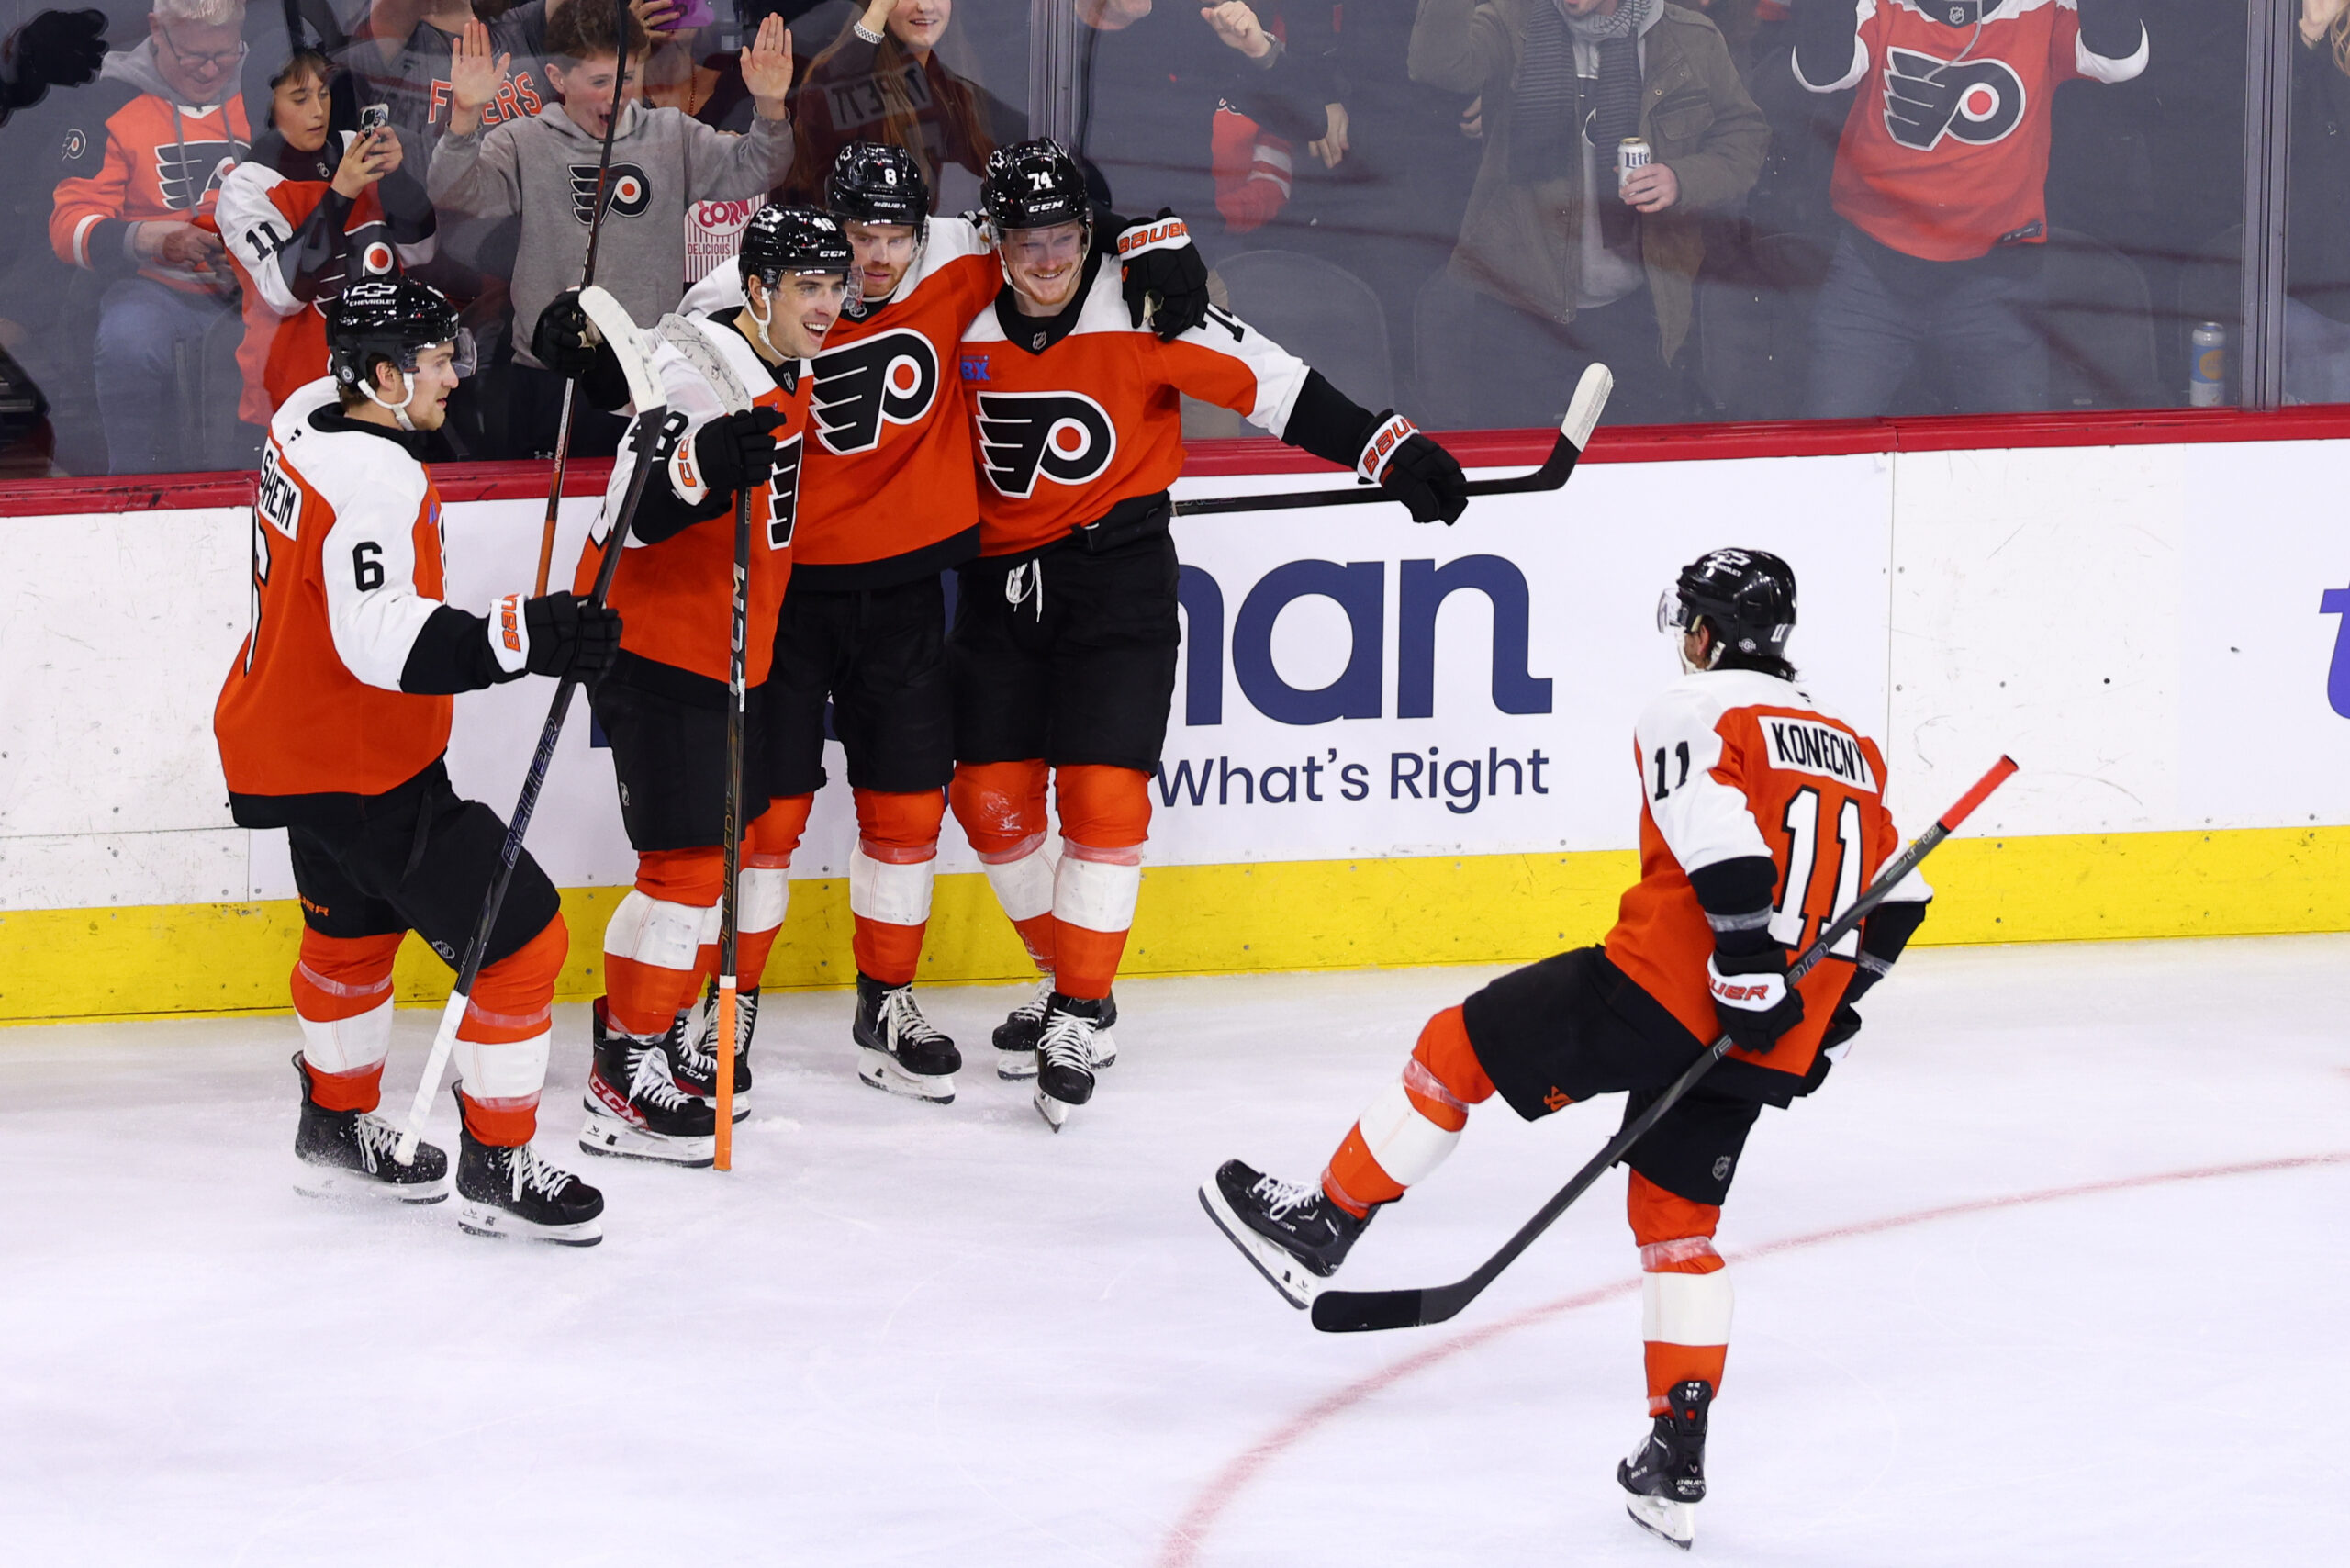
{"x": 374, "y": 118}
{"x": 695, "y": 13}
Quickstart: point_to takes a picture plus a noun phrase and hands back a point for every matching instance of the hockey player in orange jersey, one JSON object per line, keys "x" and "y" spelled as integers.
{"x": 1762, "y": 819}
{"x": 1063, "y": 648}
{"x": 888, "y": 500}
{"x": 663, "y": 706}
{"x": 332, "y": 725}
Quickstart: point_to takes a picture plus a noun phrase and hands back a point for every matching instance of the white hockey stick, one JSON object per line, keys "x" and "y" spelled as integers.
{"x": 628, "y": 346}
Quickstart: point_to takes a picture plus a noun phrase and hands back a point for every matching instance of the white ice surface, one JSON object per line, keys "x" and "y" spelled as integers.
{"x": 906, "y": 1333}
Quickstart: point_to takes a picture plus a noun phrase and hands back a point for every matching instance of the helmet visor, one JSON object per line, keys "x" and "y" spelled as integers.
{"x": 1673, "y": 615}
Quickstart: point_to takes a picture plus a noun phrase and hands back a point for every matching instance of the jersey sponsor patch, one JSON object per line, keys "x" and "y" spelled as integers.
{"x": 630, "y": 192}
{"x": 1975, "y": 101}
{"x": 1065, "y": 437}
{"x": 890, "y": 378}
{"x": 1806, "y": 746}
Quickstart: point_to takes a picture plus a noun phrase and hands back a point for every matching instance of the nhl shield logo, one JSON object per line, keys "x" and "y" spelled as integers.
{"x": 1721, "y": 1169}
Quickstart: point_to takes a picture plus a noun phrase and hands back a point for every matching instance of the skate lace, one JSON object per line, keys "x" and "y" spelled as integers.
{"x": 1032, "y": 1010}
{"x": 1068, "y": 1041}
{"x": 649, "y": 1080}
{"x": 531, "y": 1174}
{"x": 376, "y": 1138}
{"x": 703, "y": 1045}
{"x": 694, "y": 1045}
{"x": 901, "y": 1019}
{"x": 1281, "y": 1197}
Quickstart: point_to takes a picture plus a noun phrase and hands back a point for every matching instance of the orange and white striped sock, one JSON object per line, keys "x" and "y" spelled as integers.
{"x": 1405, "y": 1134}
{"x": 1685, "y": 1297}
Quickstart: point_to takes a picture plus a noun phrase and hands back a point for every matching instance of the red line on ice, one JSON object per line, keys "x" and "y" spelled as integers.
{"x": 1183, "y": 1543}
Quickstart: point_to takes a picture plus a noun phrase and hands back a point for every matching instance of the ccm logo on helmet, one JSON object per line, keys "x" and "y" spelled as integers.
{"x": 892, "y": 378}
{"x": 629, "y": 193}
{"x": 1064, "y": 436}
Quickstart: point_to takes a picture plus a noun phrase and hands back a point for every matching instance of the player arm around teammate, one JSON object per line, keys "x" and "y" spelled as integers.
{"x": 333, "y": 723}
{"x": 1064, "y": 643}
{"x": 1762, "y": 818}
{"x": 651, "y": 1094}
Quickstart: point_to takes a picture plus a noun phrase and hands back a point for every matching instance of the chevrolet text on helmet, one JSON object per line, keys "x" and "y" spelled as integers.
{"x": 1748, "y": 595}
{"x": 394, "y": 318}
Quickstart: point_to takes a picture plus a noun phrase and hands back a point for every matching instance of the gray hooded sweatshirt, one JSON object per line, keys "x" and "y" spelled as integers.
{"x": 544, "y": 168}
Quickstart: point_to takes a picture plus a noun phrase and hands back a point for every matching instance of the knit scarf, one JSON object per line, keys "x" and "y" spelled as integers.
{"x": 1548, "y": 104}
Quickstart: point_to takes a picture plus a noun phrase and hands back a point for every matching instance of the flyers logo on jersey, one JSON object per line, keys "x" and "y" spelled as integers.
{"x": 1975, "y": 101}
{"x": 783, "y": 494}
{"x": 630, "y": 192}
{"x": 889, "y": 379}
{"x": 187, "y": 172}
{"x": 1065, "y": 437}
{"x": 1806, "y": 746}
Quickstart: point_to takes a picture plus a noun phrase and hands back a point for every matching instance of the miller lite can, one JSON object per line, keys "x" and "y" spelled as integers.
{"x": 2207, "y": 372}
{"x": 1630, "y": 154}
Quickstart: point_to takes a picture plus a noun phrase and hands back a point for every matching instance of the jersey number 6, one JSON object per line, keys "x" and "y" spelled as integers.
{"x": 366, "y": 569}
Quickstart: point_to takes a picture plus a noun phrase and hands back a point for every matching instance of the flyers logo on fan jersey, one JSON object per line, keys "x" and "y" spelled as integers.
{"x": 783, "y": 493}
{"x": 890, "y": 378}
{"x": 187, "y": 172}
{"x": 630, "y": 192}
{"x": 1975, "y": 101}
{"x": 1065, "y": 437}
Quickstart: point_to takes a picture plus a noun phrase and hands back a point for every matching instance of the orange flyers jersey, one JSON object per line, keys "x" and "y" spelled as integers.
{"x": 347, "y": 569}
{"x": 1068, "y": 428}
{"x": 889, "y": 472}
{"x": 1736, "y": 763}
{"x": 675, "y": 596}
{"x": 148, "y": 161}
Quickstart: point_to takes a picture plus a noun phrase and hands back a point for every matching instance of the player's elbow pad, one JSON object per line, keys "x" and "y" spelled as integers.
{"x": 452, "y": 652}
{"x": 1736, "y": 896}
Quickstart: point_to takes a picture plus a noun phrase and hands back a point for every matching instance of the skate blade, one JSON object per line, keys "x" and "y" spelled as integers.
{"x": 1106, "y": 1049}
{"x": 1054, "y": 1112}
{"x": 616, "y": 1139}
{"x": 337, "y": 1185}
{"x": 881, "y": 1071}
{"x": 1666, "y": 1520}
{"x": 1016, "y": 1066}
{"x": 484, "y": 1219}
{"x": 1283, "y": 1272}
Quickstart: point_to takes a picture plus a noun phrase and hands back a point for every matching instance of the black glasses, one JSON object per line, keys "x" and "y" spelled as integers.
{"x": 218, "y": 59}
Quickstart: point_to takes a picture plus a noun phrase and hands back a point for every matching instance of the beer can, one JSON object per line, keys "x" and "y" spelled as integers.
{"x": 1630, "y": 154}
{"x": 2207, "y": 377}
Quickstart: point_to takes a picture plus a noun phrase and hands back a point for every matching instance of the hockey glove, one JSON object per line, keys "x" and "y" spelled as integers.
{"x": 1752, "y": 1001}
{"x": 571, "y": 635}
{"x": 736, "y": 451}
{"x": 1842, "y": 1025}
{"x": 1414, "y": 470}
{"x": 1163, "y": 276}
{"x": 566, "y": 342}
{"x": 56, "y": 49}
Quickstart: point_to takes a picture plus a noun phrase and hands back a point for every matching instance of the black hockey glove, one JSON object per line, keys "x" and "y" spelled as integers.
{"x": 571, "y": 635}
{"x": 734, "y": 452}
{"x": 1162, "y": 275}
{"x": 56, "y": 49}
{"x": 1414, "y": 470}
{"x": 566, "y": 342}
{"x": 1752, "y": 1001}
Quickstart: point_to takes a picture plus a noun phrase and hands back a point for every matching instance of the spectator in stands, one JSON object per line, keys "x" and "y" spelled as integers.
{"x": 308, "y": 211}
{"x": 883, "y": 80}
{"x": 662, "y": 161}
{"x": 1570, "y": 263}
{"x": 404, "y": 51}
{"x": 2317, "y": 185}
{"x": 1940, "y": 178}
{"x": 157, "y": 135}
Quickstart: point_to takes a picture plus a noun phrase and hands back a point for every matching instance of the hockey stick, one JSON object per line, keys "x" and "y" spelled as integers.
{"x": 711, "y": 366}
{"x": 622, "y": 334}
{"x": 1352, "y": 1312}
{"x": 1574, "y": 435}
{"x": 587, "y": 278}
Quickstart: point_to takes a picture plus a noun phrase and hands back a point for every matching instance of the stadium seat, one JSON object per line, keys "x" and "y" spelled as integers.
{"x": 1320, "y": 312}
{"x": 2100, "y": 326}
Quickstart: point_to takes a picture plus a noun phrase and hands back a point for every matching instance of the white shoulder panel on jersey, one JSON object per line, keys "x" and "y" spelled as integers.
{"x": 1280, "y": 375}
{"x": 720, "y": 289}
{"x": 1704, "y": 821}
{"x": 1104, "y": 310}
{"x": 368, "y": 559}
{"x": 255, "y": 231}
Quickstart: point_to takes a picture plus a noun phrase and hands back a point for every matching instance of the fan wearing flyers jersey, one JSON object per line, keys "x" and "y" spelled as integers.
{"x": 1064, "y": 642}
{"x": 888, "y": 501}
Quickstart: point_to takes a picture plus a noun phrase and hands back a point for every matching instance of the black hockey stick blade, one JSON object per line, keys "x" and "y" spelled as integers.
{"x": 1358, "y": 1312}
{"x": 1574, "y": 434}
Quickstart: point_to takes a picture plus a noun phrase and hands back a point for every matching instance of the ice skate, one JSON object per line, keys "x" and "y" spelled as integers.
{"x": 1666, "y": 1474}
{"x": 1016, "y": 1036}
{"x": 899, "y": 1051}
{"x": 1290, "y": 1231}
{"x": 635, "y": 1111}
{"x": 348, "y": 1154}
{"x": 1065, "y": 1058}
{"x": 514, "y": 1191}
{"x": 692, "y": 1050}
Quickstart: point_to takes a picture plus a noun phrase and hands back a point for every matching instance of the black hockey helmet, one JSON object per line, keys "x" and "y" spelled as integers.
{"x": 876, "y": 182}
{"x": 1748, "y": 595}
{"x": 785, "y": 239}
{"x": 1034, "y": 185}
{"x": 390, "y": 319}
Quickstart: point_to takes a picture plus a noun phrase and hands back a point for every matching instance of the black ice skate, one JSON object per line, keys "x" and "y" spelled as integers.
{"x": 636, "y": 1110}
{"x": 348, "y": 1154}
{"x": 691, "y": 1047}
{"x": 1290, "y": 1231}
{"x": 513, "y": 1191}
{"x": 899, "y": 1051}
{"x": 1016, "y": 1036}
{"x": 1666, "y": 1474}
{"x": 1065, "y": 1055}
